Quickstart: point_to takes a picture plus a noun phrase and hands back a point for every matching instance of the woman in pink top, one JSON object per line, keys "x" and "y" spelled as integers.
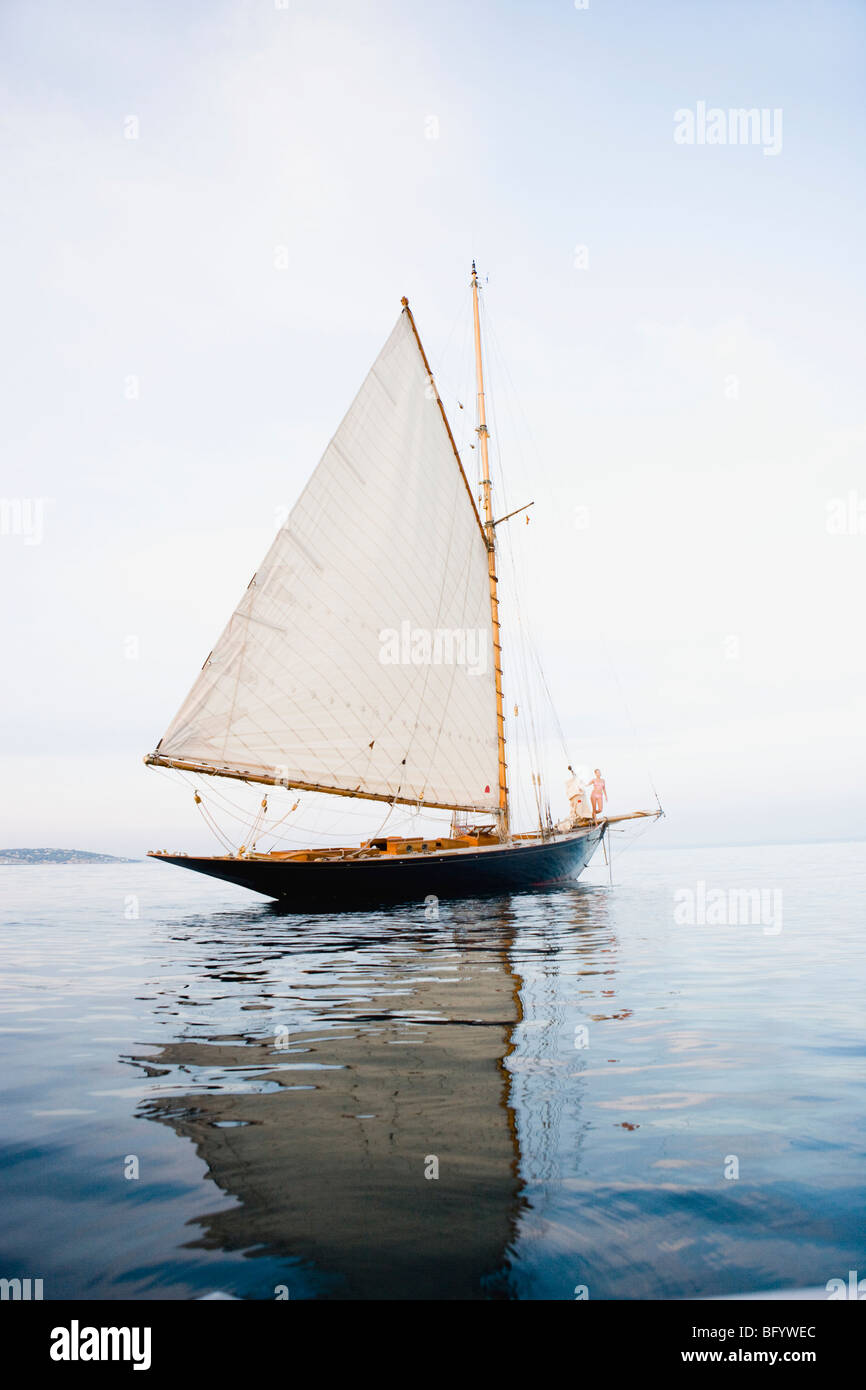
{"x": 599, "y": 794}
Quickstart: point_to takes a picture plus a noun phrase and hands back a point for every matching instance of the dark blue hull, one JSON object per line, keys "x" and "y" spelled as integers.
{"x": 351, "y": 884}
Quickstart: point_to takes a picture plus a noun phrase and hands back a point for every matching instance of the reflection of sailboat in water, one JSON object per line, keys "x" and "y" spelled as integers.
{"x": 364, "y": 660}
{"x": 379, "y": 1148}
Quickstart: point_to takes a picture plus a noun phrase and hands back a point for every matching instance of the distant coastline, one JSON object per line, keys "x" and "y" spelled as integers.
{"x": 59, "y": 856}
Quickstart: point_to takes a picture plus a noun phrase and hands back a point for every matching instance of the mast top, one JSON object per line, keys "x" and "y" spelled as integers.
{"x": 404, "y": 301}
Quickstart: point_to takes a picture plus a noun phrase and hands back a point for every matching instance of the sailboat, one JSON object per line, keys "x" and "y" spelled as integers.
{"x": 364, "y": 660}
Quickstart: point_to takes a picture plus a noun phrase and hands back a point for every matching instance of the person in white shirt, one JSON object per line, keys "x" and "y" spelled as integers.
{"x": 578, "y": 799}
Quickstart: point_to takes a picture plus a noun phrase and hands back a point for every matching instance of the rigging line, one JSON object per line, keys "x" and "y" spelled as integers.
{"x": 540, "y": 672}
{"x": 531, "y": 645}
{"x": 461, "y": 423}
{"x": 466, "y": 375}
{"x": 523, "y": 646}
{"x": 243, "y": 814}
{"x": 301, "y": 830}
{"x": 335, "y": 815}
{"x": 377, "y": 833}
{"x": 206, "y": 814}
{"x": 539, "y": 460}
{"x": 460, "y": 316}
{"x": 632, "y": 834}
{"x": 494, "y": 339}
{"x": 543, "y": 678}
{"x": 535, "y": 666}
{"x": 215, "y": 830}
{"x": 301, "y": 834}
{"x": 256, "y": 827}
{"x": 252, "y": 821}
{"x": 212, "y": 825}
{"x": 271, "y": 830}
{"x": 205, "y": 791}
{"x": 522, "y": 731}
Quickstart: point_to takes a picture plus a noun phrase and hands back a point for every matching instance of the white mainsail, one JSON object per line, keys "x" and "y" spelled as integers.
{"x": 360, "y": 658}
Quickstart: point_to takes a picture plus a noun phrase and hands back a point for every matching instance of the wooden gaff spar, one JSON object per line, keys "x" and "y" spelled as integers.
{"x": 364, "y": 660}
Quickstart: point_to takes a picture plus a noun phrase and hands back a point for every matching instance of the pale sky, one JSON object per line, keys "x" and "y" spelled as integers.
{"x": 676, "y": 375}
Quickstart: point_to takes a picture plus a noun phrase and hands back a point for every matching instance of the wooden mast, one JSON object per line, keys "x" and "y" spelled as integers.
{"x": 490, "y": 533}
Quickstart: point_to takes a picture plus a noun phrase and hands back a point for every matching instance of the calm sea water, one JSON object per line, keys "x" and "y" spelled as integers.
{"x": 527, "y": 1097}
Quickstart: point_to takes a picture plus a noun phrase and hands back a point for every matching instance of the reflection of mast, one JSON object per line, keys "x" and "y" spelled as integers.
{"x": 327, "y": 1160}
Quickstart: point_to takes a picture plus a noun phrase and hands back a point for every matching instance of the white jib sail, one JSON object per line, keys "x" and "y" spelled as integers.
{"x": 360, "y": 658}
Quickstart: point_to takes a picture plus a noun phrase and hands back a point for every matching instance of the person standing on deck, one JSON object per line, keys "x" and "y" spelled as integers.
{"x": 598, "y": 794}
{"x": 576, "y": 792}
